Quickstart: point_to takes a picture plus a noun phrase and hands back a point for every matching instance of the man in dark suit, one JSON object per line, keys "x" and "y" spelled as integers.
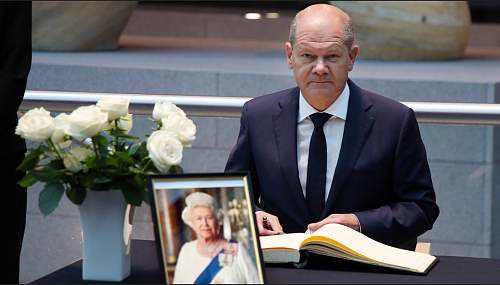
{"x": 331, "y": 152}
{"x": 15, "y": 63}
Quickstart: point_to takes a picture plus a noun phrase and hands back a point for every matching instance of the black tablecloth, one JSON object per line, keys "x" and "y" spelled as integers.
{"x": 449, "y": 269}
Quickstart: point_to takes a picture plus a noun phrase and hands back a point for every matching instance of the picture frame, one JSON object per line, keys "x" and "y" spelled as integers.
{"x": 205, "y": 228}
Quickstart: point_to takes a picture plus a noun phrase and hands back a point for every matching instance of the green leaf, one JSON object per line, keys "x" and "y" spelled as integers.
{"x": 49, "y": 197}
{"x": 46, "y": 174}
{"x": 175, "y": 169}
{"x": 28, "y": 180}
{"x": 76, "y": 195}
{"x": 116, "y": 173}
{"x": 141, "y": 151}
{"x": 102, "y": 145}
{"x": 31, "y": 160}
{"x": 93, "y": 163}
{"x": 44, "y": 148}
{"x": 127, "y": 136}
{"x": 95, "y": 181}
{"x": 133, "y": 149}
{"x": 125, "y": 157}
{"x": 148, "y": 166}
{"x": 57, "y": 164}
{"x": 112, "y": 162}
{"x": 101, "y": 140}
{"x": 102, "y": 180}
{"x": 132, "y": 194}
{"x": 135, "y": 170}
{"x": 140, "y": 180}
{"x": 121, "y": 134}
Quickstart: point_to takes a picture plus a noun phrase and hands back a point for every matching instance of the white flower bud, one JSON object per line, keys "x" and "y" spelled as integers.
{"x": 164, "y": 109}
{"x": 73, "y": 160}
{"x": 61, "y": 122}
{"x": 126, "y": 123}
{"x": 114, "y": 106}
{"x": 72, "y": 164}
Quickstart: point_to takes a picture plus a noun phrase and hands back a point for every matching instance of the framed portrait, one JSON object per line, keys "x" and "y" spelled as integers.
{"x": 205, "y": 228}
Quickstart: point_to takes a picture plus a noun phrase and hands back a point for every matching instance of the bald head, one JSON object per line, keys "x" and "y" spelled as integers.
{"x": 324, "y": 15}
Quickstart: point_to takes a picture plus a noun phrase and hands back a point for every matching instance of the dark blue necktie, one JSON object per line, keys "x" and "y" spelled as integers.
{"x": 316, "y": 167}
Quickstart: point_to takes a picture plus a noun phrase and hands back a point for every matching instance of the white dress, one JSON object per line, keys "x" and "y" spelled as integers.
{"x": 190, "y": 265}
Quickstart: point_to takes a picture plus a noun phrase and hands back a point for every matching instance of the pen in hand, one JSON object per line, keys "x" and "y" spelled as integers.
{"x": 266, "y": 224}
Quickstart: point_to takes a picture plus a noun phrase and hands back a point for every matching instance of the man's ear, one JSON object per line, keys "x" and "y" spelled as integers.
{"x": 288, "y": 50}
{"x": 353, "y": 54}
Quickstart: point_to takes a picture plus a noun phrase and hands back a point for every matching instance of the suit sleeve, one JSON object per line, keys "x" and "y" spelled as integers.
{"x": 15, "y": 64}
{"x": 241, "y": 158}
{"x": 413, "y": 208}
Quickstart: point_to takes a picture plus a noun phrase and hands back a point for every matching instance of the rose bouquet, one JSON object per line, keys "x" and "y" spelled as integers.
{"x": 91, "y": 149}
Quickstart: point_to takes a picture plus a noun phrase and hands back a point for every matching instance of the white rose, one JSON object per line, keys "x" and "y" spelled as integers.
{"x": 61, "y": 122}
{"x": 164, "y": 109}
{"x": 164, "y": 150}
{"x": 81, "y": 153}
{"x": 36, "y": 125}
{"x": 86, "y": 121}
{"x": 115, "y": 107}
{"x": 126, "y": 123}
{"x": 183, "y": 128}
{"x": 72, "y": 164}
{"x": 73, "y": 160}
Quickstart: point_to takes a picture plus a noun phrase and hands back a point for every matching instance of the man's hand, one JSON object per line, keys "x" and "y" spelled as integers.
{"x": 349, "y": 220}
{"x": 268, "y": 224}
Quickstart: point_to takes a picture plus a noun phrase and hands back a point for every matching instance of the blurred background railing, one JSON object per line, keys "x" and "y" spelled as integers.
{"x": 223, "y": 106}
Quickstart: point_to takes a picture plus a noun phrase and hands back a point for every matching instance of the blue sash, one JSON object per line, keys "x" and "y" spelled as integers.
{"x": 210, "y": 271}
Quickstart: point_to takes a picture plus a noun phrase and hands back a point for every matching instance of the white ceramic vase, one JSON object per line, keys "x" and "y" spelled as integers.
{"x": 107, "y": 226}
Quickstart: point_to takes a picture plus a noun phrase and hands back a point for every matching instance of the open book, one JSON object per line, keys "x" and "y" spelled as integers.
{"x": 342, "y": 242}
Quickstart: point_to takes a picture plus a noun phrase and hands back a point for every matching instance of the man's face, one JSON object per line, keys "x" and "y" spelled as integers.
{"x": 320, "y": 61}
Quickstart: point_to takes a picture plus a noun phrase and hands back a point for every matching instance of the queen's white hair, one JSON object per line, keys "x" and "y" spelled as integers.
{"x": 200, "y": 199}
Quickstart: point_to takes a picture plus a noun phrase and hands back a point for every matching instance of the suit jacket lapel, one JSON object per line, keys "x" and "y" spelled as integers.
{"x": 357, "y": 127}
{"x": 285, "y": 128}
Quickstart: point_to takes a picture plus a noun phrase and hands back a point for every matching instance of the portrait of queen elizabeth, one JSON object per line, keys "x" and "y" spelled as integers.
{"x": 210, "y": 258}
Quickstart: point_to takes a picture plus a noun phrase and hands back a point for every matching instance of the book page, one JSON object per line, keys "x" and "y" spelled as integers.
{"x": 365, "y": 248}
{"x": 284, "y": 241}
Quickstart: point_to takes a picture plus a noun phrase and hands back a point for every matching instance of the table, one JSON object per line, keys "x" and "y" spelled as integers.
{"x": 449, "y": 269}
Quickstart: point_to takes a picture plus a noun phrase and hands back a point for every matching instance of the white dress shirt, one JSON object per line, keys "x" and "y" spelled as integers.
{"x": 334, "y": 132}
